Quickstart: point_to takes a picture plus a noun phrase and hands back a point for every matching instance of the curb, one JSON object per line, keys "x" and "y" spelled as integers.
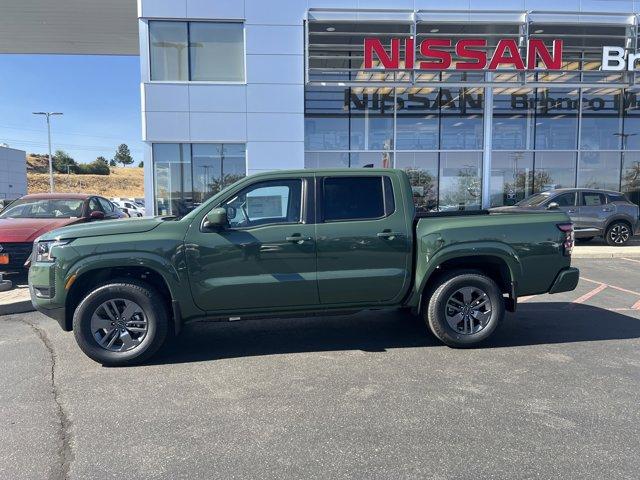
{"x": 22, "y": 306}
{"x": 604, "y": 255}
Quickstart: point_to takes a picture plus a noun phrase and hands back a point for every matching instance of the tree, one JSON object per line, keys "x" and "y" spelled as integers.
{"x": 112, "y": 163}
{"x": 63, "y": 162}
{"x": 102, "y": 160}
{"x": 141, "y": 164}
{"x": 123, "y": 155}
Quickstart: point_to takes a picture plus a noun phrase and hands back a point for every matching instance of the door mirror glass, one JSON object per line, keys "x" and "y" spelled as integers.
{"x": 217, "y": 218}
{"x": 553, "y": 206}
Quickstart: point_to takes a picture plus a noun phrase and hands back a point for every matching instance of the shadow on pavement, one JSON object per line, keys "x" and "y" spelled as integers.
{"x": 534, "y": 324}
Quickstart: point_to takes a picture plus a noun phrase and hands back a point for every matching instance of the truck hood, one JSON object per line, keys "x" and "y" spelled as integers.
{"x": 105, "y": 227}
{"x": 28, "y": 229}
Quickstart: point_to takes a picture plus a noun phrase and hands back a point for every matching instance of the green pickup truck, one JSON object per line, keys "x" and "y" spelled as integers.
{"x": 295, "y": 243}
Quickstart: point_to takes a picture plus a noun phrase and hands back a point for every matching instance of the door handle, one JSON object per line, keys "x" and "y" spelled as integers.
{"x": 607, "y": 209}
{"x": 388, "y": 234}
{"x": 297, "y": 238}
{"x": 571, "y": 210}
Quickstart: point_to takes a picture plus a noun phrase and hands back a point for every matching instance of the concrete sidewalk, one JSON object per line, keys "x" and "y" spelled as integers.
{"x": 597, "y": 248}
{"x": 16, "y": 300}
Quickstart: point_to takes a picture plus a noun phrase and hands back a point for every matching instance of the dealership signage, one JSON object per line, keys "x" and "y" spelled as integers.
{"x": 614, "y": 59}
{"x": 470, "y": 54}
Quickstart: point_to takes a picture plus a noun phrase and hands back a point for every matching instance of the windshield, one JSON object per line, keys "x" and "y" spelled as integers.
{"x": 44, "y": 208}
{"x": 533, "y": 200}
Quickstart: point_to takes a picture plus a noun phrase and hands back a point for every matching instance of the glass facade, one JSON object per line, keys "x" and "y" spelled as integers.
{"x": 196, "y": 51}
{"x": 186, "y": 175}
{"x": 518, "y": 131}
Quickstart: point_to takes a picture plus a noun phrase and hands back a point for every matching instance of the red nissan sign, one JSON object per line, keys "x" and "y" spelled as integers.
{"x": 469, "y": 54}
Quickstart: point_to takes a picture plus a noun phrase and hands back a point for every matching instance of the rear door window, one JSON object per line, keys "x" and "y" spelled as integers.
{"x": 565, "y": 200}
{"x": 593, "y": 199}
{"x": 356, "y": 198}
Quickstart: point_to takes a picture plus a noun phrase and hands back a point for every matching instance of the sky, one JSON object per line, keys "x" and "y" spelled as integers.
{"x": 98, "y": 94}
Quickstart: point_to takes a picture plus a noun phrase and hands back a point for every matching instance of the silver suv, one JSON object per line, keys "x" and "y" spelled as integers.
{"x": 594, "y": 212}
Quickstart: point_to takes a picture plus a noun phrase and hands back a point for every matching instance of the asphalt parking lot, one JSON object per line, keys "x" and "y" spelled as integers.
{"x": 555, "y": 394}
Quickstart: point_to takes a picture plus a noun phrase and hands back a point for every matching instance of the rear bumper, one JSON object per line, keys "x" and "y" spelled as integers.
{"x": 566, "y": 280}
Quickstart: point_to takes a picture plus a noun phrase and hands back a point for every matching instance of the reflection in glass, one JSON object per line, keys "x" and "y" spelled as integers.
{"x": 556, "y": 119}
{"x": 186, "y": 175}
{"x": 601, "y": 119}
{"x": 511, "y": 177}
{"x": 371, "y": 159}
{"x": 326, "y": 159}
{"x": 422, "y": 169}
{"x": 460, "y": 180}
{"x": 599, "y": 170}
{"x": 215, "y": 167}
{"x": 554, "y": 170}
{"x": 631, "y": 176}
{"x": 417, "y": 123}
{"x": 216, "y": 51}
{"x": 461, "y": 124}
{"x": 631, "y": 137}
{"x": 513, "y": 119}
{"x": 172, "y": 175}
{"x": 326, "y": 122}
{"x": 168, "y": 50}
{"x": 371, "y": 121}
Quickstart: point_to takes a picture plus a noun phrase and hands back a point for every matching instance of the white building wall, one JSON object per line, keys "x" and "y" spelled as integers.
{"x": 13, "y": 173}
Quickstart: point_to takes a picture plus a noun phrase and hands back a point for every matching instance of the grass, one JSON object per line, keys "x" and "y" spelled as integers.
{"x": 123, "y": 182}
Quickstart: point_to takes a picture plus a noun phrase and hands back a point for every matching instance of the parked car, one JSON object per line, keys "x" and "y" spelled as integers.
{"x": 296, "y": 243}
{"x": 595, "y": 213}
{"x": 32, "y": 215}
{"x": 130, "y": 208}
{"x": 4, "y": 203}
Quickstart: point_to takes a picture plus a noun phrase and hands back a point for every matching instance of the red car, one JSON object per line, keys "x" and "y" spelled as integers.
{"x": 32, "y": 215}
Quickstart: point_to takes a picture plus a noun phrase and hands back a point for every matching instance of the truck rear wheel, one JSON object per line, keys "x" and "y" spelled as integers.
{"x": 121, "y": 323}
{"x": 464, "y": 309}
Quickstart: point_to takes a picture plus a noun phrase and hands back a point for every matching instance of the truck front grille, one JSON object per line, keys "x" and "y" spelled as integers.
{"x": 18, "y": 254}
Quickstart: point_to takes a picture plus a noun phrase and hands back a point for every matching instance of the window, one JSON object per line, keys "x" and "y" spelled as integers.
{"x": 356, "y": 198}
{"x": 593, "y": 199}
{"x": 198, "y": 51}
{"x": 187, "y": 175}
{"x": 616, "y": 197}
{"x": 106, "y": 205}
{"x": 94, "y": 206}
{"x": 565, "y": 200}
{"x": 278, "y": 201}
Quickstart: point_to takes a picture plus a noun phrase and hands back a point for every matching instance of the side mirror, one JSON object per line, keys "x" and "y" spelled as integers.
{"x": 96, "y": 215}
{"x": 553, "y": 206}
{"x": 217, "y": 218}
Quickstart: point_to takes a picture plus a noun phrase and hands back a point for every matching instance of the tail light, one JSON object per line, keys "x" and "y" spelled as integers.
{"x": 569, "y": 237}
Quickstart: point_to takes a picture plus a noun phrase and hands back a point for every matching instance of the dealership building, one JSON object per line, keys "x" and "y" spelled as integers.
{"x": 482, "y": 104}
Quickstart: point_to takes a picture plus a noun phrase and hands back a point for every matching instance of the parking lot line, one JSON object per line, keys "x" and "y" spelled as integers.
{"x": 610, "y": 286}
{"x": 591, "y": 293}
{"x": 630, "y": 259}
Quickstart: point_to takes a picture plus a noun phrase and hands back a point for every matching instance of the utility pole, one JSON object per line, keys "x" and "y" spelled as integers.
{"x": 48, "y": 117}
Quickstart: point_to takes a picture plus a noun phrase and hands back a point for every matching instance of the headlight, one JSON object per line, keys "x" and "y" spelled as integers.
{"x": 42, "y": 251}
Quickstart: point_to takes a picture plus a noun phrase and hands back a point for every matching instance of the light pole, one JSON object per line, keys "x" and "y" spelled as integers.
{"x": 48, "y": 116}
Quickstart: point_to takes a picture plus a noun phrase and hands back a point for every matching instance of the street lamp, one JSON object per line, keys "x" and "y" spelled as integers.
{"x": 48, "y": 116}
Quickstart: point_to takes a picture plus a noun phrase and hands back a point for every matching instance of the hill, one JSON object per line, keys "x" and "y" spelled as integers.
{"x": 123, "y": 182}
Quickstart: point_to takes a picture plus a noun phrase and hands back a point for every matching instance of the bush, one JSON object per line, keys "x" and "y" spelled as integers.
{"x": 94, "y": 168}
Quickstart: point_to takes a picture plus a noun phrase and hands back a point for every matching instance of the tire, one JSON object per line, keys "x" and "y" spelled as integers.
{"x": 618, "y": 234}
{"x": 584, "y": 239}
{"x": 448, "y": 293}
{"x": 135, "y": 337}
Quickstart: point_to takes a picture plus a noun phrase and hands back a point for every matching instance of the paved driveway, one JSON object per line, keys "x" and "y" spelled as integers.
{"x": 554, "y": 395}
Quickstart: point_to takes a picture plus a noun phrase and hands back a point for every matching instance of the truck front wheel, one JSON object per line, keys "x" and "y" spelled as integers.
{"x": 121, "y": 323}
{"x": 464, "y": 309}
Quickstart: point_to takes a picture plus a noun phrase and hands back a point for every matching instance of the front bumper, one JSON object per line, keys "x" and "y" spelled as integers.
{"x": 566, "y": 280}
{"x": 47, "y": 292}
